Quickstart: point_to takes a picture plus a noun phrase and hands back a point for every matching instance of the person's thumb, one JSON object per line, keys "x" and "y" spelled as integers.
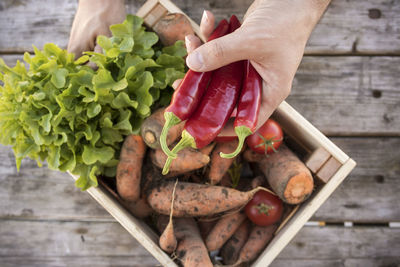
{"x": 217, "y": 53}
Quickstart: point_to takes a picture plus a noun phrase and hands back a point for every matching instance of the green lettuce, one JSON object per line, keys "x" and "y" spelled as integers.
{"x": 58, "y": 110}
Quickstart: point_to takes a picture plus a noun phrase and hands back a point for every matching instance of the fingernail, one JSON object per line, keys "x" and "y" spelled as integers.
{"x": 205, "y": 16}
{"x": 195, "y": 61}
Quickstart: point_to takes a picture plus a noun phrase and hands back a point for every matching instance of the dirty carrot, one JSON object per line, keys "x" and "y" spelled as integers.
{"x": 208, "y": 149}
{"x": 219, "y": 166}
{"x": 139, "y": 208}
{"x": 231, "y": 249}
{"x": 223, "y": 230}
{"x": 187, "y": 160}
{"x": 287, "y": 175}
{"x": 172, "y": 27}
{"x": 259, "y": 237}
{"x": 205, "y": 226}
{"x": 248, "y": 107}
{"x": 129, "y": 169}
{"x": 191, "y": 250}
{"x": 214, "y": 110}
{"x": 152, "y": 126}
{"x": 187, "y": 96}
{"x": 168, "y": 240}
{"x": 197, "y": 199}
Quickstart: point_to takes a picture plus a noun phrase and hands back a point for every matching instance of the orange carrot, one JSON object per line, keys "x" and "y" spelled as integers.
{"x": 223, "y": 230}
{"x": 191, "y": 250}
{"x": 226, "y": 180}
{"x": 173, "y": 27}
{"x": 219, "y": 166}
{"x": 208, "y": 149}
{"x": 205, "y": 226}
{"x": 152, "y": 126}
{"x": 188, "y": 160}
{"x": 129, "y": 169}
{"x": 197, "y": 199}
{"x": 251, "y": 156}
{"x": 231, "y": 249}
{"x": 139, "y": 208}
{"x": 168, "y": 240}
{"x": 258, "y": 239}
{"x": 288, "y": 177}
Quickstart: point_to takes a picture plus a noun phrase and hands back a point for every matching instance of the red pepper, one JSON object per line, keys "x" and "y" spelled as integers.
{"x": 187, "y": 96}
{"x": 215, "y": 107}
{"x": 248, "y": 107}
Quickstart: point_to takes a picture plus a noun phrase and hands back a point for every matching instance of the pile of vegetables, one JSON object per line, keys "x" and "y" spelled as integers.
{"x": 207, "y": 195}
{"x": 75, "y": 118}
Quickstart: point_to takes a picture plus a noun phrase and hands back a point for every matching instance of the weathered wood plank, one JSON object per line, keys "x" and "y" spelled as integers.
{"x": 369, "y": 194}
{"x": 35, "y": 193}
{"x": 57, "y": 240}
{"x": 72, "y": 239}
{"x": 342, "y": 243}
{"x": 349, "y": 95}
{"x": 348, "y": 262}
{"x": 87, "y": 261}
{"x": 343, "y": 95}
{"x": 346, "y": 27}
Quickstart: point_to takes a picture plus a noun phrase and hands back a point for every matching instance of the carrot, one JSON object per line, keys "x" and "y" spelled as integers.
{"x": 191, "y": 250}
{"x": 223, "y": 230}
{"x": 226, "y": 180}
{"x": 207, "y": 149}
{"x": 187, "y": 160}
{"x": 288, "y": 177}
{"x": 173, "y": 27}
{"x": 152, "y": 126}
{"x": 197, "y": 199}
{"x": 129, "y": 167}
{"x": 231, "y": 249}
{"x": 205, "y": 226}
{"x": 168, "y": 240}
{"x": 251, "y": 156}
{"x": 139, "y": 208}
{"x": 219, "y": 166}
{"x": 258, "y": 238}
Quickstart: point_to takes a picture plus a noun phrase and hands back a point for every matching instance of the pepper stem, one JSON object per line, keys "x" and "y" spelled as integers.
{"x": 242, "y": 132}
{"x": 170, "y": 120}
{"x": 186, "y": 141}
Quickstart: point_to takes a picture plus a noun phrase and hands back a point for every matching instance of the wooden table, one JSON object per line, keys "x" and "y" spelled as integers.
{"x": 348, "y": 86}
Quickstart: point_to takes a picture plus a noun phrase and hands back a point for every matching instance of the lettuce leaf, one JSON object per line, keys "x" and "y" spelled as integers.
{"x": 55, "y": 109}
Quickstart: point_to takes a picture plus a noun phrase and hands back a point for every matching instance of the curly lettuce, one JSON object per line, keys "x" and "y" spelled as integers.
{"x": 75, "y": 118}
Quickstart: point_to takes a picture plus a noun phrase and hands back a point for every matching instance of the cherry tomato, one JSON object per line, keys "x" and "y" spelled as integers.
{"x": 264, "y": 209}
{"x": 267, "y": 138}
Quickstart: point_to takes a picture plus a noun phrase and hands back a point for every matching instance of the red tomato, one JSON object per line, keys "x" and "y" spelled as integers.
{"x": 264, "y": 209}
{"x": 267, "y": 138}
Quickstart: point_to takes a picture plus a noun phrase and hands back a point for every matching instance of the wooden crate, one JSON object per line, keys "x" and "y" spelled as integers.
{"x": 327, "y": 162}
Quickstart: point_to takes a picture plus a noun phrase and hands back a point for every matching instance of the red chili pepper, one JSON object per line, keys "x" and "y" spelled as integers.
{"x": 215, "y": 107}
{"x": 248, "y": 107}
{"x": 187, "y": 96}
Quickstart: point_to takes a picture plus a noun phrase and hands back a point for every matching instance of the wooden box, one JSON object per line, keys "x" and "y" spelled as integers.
{"x": 326, "y": 161}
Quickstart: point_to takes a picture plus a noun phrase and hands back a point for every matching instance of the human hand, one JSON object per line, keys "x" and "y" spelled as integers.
{"x": 94, "y": 18}
{"x": 273, "y": 36}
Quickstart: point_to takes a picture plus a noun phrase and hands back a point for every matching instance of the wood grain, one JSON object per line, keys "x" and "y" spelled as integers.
{"x": 66, "y": 242}
{"x": 346, "y": 27}
{"x": 81, "y": 261}
{"x": 370, "y": 193}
